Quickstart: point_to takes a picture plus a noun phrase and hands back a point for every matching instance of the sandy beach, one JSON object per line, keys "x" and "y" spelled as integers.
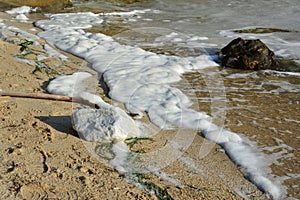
{"x": 42, "y": 157}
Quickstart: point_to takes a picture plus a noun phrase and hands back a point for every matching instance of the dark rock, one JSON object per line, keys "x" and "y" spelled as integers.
{"x": 249, "y": 54}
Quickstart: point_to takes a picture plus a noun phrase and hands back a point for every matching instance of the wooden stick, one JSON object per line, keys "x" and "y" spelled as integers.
{"x": 48, "y": 97}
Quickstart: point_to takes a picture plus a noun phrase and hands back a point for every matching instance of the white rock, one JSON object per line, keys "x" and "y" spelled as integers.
{"x": 105, "y": 123}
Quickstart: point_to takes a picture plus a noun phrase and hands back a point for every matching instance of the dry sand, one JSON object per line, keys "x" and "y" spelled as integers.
{"x": 42, "y": 157}
{"x": 37, "y": 3}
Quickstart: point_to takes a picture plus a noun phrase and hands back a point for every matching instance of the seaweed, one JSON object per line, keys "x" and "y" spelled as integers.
{"x": 160, "y": 193}
{"x": 24, "y": 48}
{"x": 103, "y": 150}
{"x": 42, "y": 67}
{"x": 39, "y": 66}
{"x": 24, "y": 45}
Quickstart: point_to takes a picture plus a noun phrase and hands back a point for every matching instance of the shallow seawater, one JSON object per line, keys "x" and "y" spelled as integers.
{"x": 212, "y": 23}
{"x": 263, "y": 106}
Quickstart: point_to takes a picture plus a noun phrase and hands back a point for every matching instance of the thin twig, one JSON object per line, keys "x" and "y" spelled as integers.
{"x": 48, "y": 97}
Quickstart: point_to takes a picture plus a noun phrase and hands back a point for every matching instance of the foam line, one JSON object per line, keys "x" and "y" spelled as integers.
{"x": 141, "y": 80}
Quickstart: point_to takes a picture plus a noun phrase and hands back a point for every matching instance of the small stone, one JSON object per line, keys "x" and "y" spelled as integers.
{"x": 85, "y": 170}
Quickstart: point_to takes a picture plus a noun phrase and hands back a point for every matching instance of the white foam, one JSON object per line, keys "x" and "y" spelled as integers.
{"x": 9, "y": 32}
{"x": 69, "y": 85}
{"x": 195, "y": 38}
{"x": 83, "y": 20}
{"x": 279, "y": 73}
{"x": 120, "y": 162}
{"x": 133, "y": 12}
{"x": 19, "y": 10}
{"x": 141, "y": 79}
{"x": 243, "y": 75}
{"x": 166, "y": 177}
{"x": 53, "y": 53}
{"x": 22, "y": 17}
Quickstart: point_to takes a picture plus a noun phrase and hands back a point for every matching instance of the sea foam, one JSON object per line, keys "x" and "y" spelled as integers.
{"x": 141, "y": 80}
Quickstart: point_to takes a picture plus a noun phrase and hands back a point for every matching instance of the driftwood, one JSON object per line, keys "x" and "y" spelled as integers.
{"x": 48, "y": 97}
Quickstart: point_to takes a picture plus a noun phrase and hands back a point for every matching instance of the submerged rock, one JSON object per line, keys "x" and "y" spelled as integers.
{"x": 261, "y": 30}
{"x": 249, "y": 54}
{"x": 289, "y": 65}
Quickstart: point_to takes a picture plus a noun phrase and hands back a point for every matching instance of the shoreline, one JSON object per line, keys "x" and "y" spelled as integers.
{"x": 45, "y": 131}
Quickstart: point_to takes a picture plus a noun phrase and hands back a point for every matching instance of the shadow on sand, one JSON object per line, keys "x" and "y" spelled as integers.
{"x": 59, "y": 123}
